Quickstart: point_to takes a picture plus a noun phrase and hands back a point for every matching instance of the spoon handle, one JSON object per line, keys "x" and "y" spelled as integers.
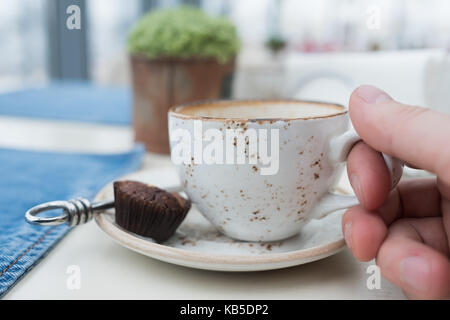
{"x": 75, "y": 212}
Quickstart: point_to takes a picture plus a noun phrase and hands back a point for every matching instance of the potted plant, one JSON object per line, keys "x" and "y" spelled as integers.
{"x": 276, "y": 44}
{"x": 177, "y": 56}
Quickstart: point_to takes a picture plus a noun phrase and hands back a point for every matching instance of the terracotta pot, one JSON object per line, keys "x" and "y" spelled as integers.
{"x": 161, "y": 83}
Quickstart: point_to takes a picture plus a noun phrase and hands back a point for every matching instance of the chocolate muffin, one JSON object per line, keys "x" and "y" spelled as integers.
{"x": 147, "y": 210}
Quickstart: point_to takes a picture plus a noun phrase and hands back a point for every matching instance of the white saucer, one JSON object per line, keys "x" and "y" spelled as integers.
{"x": 197, "y": 244}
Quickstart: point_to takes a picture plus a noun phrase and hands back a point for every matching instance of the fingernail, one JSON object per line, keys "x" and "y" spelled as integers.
{"x": 415, "y": 271}
{"x": 348, "y": 234}
{"x": 357, "y": 188}
{"x": 371, "y": 94}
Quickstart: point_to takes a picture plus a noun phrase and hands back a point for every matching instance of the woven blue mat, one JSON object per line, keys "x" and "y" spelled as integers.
{"x": 70, "y": 101}
{"x": 28, "y": 178}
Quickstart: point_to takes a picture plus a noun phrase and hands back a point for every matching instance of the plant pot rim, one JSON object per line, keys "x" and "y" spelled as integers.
{"x": 143, "y": 57}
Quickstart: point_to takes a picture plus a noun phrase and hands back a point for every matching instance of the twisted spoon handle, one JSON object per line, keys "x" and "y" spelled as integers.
{"x": 75, "y": 212}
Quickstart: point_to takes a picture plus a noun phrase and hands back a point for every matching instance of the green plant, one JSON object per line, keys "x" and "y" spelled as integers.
{"x": 184, "y": 32}
{"x": 276, "y": 43}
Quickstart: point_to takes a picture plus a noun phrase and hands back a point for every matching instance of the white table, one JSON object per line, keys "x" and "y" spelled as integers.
{"x": 109, "y": 271}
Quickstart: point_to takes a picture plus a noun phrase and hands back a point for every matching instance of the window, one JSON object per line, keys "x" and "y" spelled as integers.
{"x": 24, "y": 43}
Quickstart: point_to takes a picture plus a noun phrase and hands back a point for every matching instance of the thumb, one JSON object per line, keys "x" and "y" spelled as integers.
{"x": 415, "y": 135}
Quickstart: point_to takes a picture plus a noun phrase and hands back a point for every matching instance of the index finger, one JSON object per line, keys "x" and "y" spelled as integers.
{"x": 416, "y": 135}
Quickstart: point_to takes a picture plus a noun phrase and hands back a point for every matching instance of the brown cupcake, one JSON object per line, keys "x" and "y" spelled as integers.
{"x": 147, "y": 210}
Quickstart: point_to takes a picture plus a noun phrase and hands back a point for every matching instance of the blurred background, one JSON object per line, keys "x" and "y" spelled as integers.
{"x": 317, "y": 49}
{"x": 322, "y": 42}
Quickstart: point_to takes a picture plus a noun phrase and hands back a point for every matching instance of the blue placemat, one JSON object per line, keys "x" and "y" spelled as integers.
{"x": 73, "y": 101}
{"x": 28, "y": 178}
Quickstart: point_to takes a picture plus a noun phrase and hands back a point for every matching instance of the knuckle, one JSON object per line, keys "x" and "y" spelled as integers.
{"x": 407, "y": 113}
{"x": 443, "y": 171}
{"x": 443, "y": 166}
{"x": 412, "y": 121}
{"x": 406, "y": 117}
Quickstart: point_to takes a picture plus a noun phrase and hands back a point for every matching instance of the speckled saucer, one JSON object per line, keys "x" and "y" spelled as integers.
{"x": 197, "y": 244}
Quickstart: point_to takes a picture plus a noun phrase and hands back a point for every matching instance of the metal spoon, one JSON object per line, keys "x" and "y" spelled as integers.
{"x": 75, "y": 212}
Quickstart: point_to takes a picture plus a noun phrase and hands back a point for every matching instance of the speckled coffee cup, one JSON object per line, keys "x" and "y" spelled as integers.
{"x": 240, "y": 201}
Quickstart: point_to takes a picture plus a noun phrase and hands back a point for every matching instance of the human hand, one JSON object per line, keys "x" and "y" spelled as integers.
{"x": 407, "y": 229}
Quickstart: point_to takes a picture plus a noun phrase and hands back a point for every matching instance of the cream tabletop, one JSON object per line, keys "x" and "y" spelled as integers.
{"x": 110, "y": 271}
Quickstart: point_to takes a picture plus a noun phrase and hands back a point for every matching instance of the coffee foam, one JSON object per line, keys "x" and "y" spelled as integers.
{"x": 262, "y": 110}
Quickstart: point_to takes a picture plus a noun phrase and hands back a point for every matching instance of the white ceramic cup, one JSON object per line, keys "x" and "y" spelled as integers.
{"x": 287, "y": 157}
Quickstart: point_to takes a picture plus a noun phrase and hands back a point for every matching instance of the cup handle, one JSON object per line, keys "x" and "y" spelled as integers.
{"x": 339, "y": 149}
